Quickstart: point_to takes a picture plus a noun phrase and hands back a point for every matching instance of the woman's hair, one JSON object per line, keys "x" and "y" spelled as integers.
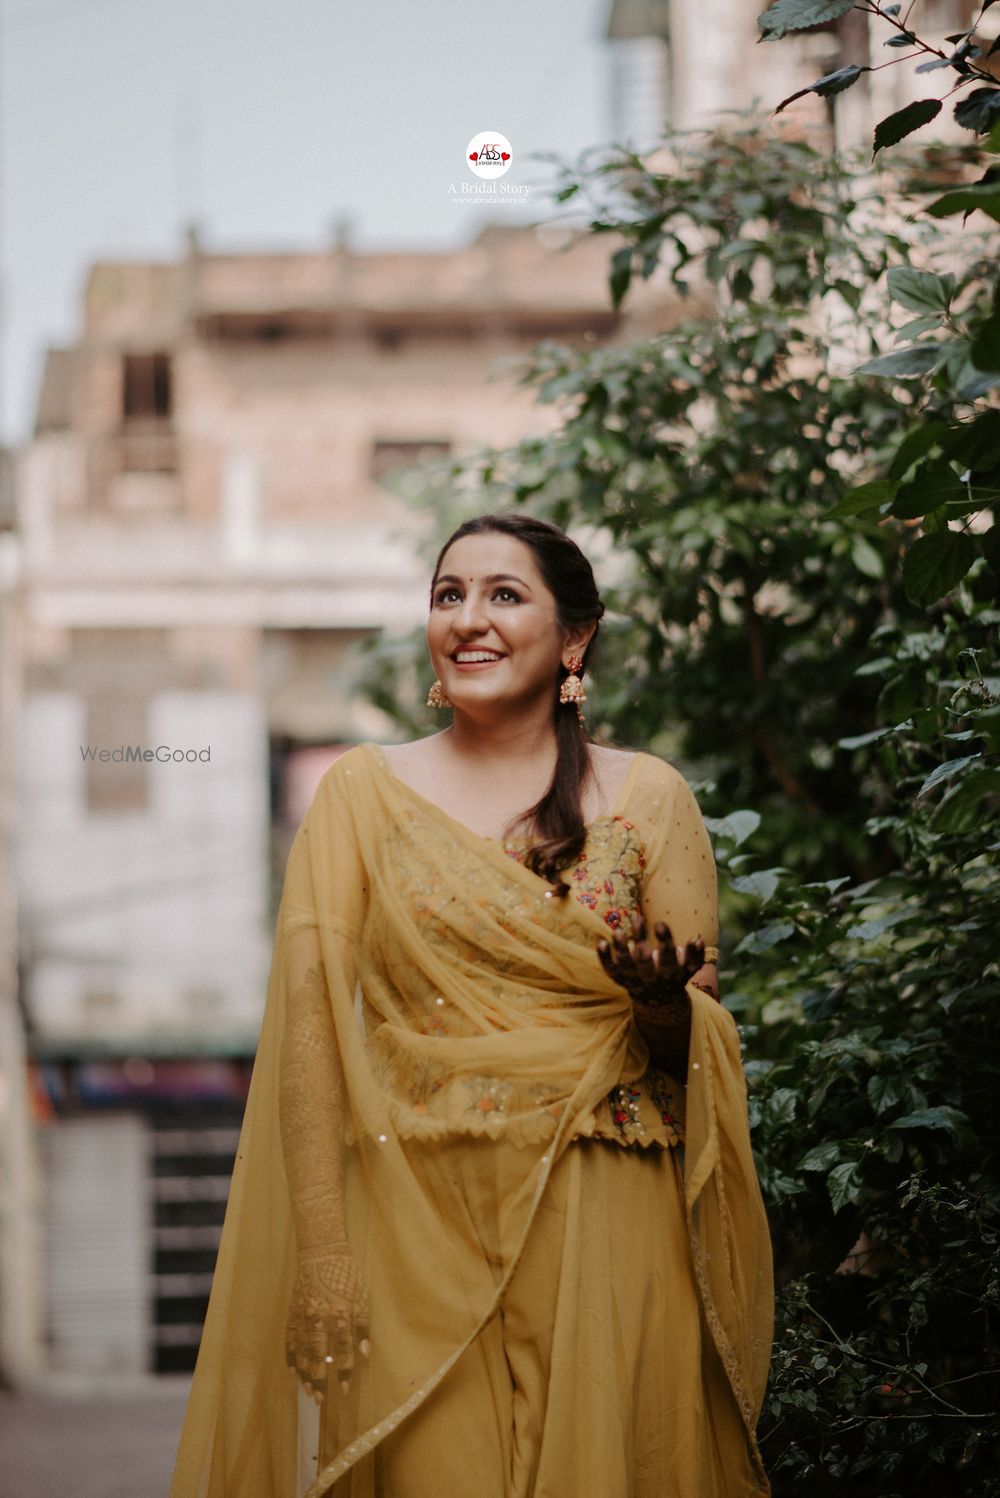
{"x": 557, "y": 818}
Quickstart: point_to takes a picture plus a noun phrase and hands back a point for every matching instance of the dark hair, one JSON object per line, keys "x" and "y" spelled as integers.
{"x": 557, "y": 818}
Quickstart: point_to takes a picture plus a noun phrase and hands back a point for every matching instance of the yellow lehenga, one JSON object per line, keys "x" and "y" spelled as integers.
{"x": 565, "y": 1251}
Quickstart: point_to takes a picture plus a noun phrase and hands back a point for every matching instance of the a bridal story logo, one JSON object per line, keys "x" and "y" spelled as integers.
{"x": 489, "y": 156}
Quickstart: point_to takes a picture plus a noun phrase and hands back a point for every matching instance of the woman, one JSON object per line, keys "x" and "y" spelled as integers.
{"x": 494, "y": 1229}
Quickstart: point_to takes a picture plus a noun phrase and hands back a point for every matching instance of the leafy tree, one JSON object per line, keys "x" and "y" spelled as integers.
{"x": 875, "y": 1116}
{"x": 709, "y": 459}
{"x": 947, "y": 466}
{"x": 768, "y": 631}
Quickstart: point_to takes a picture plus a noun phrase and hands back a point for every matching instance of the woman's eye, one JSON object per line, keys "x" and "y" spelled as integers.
{"x": 507, "y": 593}
{"x": 445, "y": 595}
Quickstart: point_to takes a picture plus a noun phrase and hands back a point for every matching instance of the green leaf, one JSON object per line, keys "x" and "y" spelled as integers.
{"x": 738, "y": 825}
{"x": 966, "y": 199}
{"x": 969, "y": 382}
{"x": 621, "y": 273}
{"x": 962, "y": 810}
{"x": 872, "y": 930}
{"x": 918, "y": 325}
{"x": 830, "y": 83}
{"x": 886, "y": 1090}
{"x": 766, "y": 937}
{"x": 835, "y": 83}
{"x": 762, "y": 884}
{"x": 780, "y": 1106}
{"x": 981, "y": 491}
{"x": 949, "y": 1119}
{"x": 866, "y": 558}
{"x": 795, "y": 15}
{"x": 985, "y": 350}
{"x": 945, "y": 771}
{"x": 821, "y": 1156}
{"x": 979, "y": 110}
{"x": 906, "y": 363}
{"x": 842, "y": 1183}
{"x": 895, "y": 127}
{"x": 920, "y": 290}
{"x": 918, "y": 441}
{"x": 870, "y": 496}
{"x": 934, "y": 564}
{"x": 851, "y": 294}
{"x": 859, "y": 740}
{"x": 933, "y": 484}
{"x": 990, "y": 544}
{"x": 975, "y": 444}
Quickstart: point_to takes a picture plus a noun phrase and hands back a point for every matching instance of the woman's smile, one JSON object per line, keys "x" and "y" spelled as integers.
{"x": 476, "y": 660}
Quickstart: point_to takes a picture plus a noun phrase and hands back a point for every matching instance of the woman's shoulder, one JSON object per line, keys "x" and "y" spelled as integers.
{"x": 626, "y": 768}
{"x": 336, "y": 778}
{"x": 406, "y": 762}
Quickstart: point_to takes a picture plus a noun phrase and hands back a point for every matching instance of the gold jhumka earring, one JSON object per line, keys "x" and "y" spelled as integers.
{"x": 438, "y": 697}
{"x": 572, "y": 689}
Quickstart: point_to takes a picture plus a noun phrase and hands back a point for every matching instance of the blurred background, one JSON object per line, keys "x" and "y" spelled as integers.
{"x": 246, "y": 279}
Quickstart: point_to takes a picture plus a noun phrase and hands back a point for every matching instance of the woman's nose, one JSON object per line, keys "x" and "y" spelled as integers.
{"x": 471, "y": 615}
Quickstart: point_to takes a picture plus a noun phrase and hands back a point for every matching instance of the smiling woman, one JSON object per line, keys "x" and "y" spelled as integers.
{"x": 514, "y": 613}
{"x": 494, "y": 1227}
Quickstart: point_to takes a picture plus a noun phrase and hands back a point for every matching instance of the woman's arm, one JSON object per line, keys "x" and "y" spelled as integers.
{"x": 680, "y": 910}
{"x": 329, "y": 1311}
{"x": 329, "y": 1315}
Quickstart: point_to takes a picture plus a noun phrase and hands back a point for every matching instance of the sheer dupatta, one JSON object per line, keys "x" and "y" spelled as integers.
{"x": 425, "y": 986}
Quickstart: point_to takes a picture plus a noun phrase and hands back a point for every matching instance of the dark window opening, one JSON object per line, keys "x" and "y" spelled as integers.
{"x": 146, "y": 390}
{"x": 388, "y": 457}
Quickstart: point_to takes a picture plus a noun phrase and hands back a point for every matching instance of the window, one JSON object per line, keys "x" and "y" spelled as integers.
{"x": 389, "y": 457}
{"x": 146, "y": 387}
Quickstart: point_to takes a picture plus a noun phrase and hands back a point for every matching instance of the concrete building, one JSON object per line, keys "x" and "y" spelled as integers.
{"x": 690, "y": 62}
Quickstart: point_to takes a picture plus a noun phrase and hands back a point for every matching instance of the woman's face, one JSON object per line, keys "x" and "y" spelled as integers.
{"x": 493, "y": 633}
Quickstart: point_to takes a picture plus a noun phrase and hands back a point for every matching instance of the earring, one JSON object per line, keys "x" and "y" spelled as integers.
{"x": 572, "y": 689}
{"x": 438, "y": 697}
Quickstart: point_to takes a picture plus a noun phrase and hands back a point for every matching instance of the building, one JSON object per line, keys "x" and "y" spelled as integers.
{"x": 690, "y": 62}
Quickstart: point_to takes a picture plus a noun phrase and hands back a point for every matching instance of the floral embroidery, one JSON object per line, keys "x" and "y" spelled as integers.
{"x": 489, "y": 1097}
{"x": 608, "y": 870}
{"x": 624, "y": 1101}
{"x": 663, "y": 1096}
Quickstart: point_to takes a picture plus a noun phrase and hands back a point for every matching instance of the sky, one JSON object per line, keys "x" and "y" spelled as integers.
{"x": 264, "y": 122}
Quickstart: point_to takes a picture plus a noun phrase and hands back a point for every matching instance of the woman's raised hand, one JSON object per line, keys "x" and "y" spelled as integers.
{"x": 327, "y": 1319}
{"x": 653, "y": 972}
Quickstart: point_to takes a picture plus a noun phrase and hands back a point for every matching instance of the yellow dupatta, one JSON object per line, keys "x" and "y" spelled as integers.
{"x": 463, "y": 1001}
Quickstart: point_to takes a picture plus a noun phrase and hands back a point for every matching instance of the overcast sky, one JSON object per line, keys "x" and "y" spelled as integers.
{"x": 264, "y": 121}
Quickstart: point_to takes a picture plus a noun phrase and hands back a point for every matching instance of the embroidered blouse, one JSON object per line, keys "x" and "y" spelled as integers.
{"x": 609, "y": 878}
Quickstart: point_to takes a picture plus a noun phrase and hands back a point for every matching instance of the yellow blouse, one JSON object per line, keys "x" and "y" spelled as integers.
{"x": 613, "y": 878}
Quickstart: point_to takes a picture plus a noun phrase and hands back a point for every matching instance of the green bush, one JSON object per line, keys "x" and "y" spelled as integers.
{"x": 803, "y": 614}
